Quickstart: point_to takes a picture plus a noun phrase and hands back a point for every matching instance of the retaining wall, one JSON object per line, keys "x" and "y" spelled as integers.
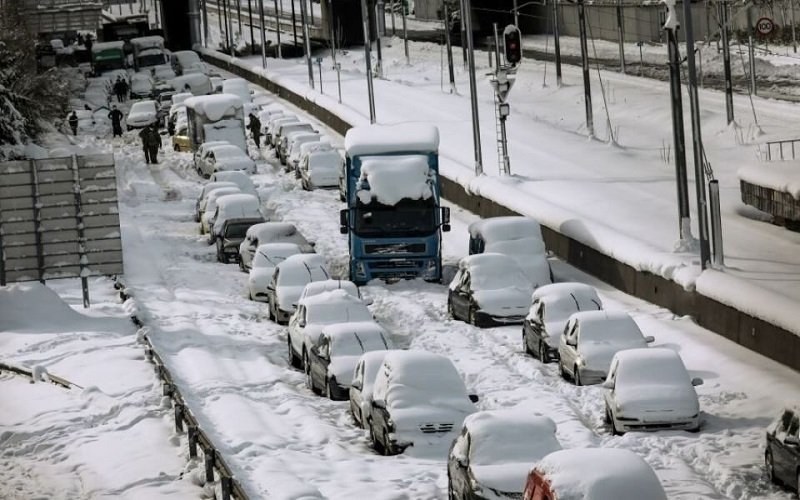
{"x": 753, "y": 333}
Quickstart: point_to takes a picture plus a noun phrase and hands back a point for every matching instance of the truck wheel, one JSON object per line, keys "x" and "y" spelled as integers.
{"x": 770, "y": 467}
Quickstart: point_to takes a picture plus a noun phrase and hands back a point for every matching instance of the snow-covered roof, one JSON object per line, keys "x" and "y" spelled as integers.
{"x": 381, "y": 139}
{"x": 567, "y": 288}
{"x": 241, "y": 179}
{"x": 354, "y": 338}
{"x": 510, "y": 435}
{"x": 214, "y": 106}
{"x": 600, "y": 474}
{"x": 148, "y": 41}
{"x": 650, "y": 365}
{"x": 331, "y": 296}
{"x": 606, "y": 325}
{"x": 510, "y": 227}
{"x": 101, "y": 46}
{"x": 186, "y": 56}
{"x": 268, "y": 230}
{"x": 180, "y": 97}
{"x": 302, "y": 268}
{"x": 151, "y": 52}
{"x": 783, "y": 177}
{"x": 395, "y": 178}
{"x": 319, "y": 287}
{"x": 416, "y": 378}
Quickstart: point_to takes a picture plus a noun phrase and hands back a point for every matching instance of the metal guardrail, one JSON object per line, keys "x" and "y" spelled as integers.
{"x": 213, "y": 460}
{"x": 783, "y": 149}
{"x": 53, "y": 379}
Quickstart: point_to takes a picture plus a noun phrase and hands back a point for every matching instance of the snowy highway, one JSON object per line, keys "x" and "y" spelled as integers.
{"x": 282, "y": 441}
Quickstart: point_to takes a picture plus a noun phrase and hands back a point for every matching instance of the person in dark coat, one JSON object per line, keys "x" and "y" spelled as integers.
{"x": 154, "y": 143}
{"x": 255, "y": 129}
{"x": 125, "y": 88}
{"x": 117, "y": 88}
{"x": 144, "y": 135}
{"x": 116, "y": 121}
{"x": 73, "y": 122}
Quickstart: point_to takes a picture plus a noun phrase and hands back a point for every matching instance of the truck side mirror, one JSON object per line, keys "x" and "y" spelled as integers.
{"x": 343, "y": 221}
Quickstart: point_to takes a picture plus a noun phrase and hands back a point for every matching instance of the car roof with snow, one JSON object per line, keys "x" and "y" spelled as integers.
{"x": 302, "y": 265}
{"x": 650, "y": 365}
{"x": 236, "y": 177}
{"x": 511, "y": 227}
{"x": 228, "y": 151}
{"x": 606, "y": 325}
{"x": 338, "y": 296}
{"x": 215, "y": 194}
{"x": 143, "y": 107}
{"x": 210, "y": 186}
{"x": 600, "y": 474}
{"x": 365, "y": 336}
{"x": 399, "y": 138}
{"x": 510, "y": 435}
{"x": 566, "y": 288}
{"x": 238, "y": 200}
{"x": 488, "y": 263}
{"x": 280, "y": 249}
{"x": 423, "y": 371}
{"x": 272, "y": 229}
{"x": 319, "y": 287}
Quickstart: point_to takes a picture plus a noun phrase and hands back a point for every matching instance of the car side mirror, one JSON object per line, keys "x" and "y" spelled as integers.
{"x": 445, "y": 227}
{"x": 791, "y": 440}
{"x": 378, "y": 403}
{"x": 697, "y": 381}
{"x": 649, "y": 339}
{"x": 356, "y": 385}
{"x": 461, "y": 460}
{"x": 608, "y": 384}
{"x": 474, "y": 398}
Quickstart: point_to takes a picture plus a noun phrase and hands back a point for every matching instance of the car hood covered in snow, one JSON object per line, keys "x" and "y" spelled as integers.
{"x": 655, "y": 401}
{"x": 502, "y": 478}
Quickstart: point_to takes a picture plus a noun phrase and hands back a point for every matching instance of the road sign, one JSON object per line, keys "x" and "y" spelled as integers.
{"x": 765, "y": 26}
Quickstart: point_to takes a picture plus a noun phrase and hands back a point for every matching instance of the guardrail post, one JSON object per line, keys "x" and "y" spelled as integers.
{"x": 209, "y": 463}
{"x": 192, "y": 441}
{"x": 226, "y": 482}
{"x": 178, "y": 417}
{"x": 167, "y": 387}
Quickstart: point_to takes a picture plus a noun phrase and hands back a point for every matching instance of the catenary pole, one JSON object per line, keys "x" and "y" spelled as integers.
{"x": 587, "y": 89}
{"x": 466, "y": 20}
{"x": 368, "y": 60}
{"x": 726, "y": 59}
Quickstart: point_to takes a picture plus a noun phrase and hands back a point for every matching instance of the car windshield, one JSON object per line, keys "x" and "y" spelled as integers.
{"x": 497, "y": 278}
{"x": 616, "y": 332}
{"x": 228, "y": 152}
{"x": 300, "y": 275}
{"x": 263, "y": 259}
{"x": 406, "y": 218}
{"x": 357, "y": 344}
{"x": 646, "y": 371}
{"x": 337, "y": 312}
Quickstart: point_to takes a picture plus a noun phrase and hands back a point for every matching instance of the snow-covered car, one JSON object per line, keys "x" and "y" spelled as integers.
{"x": 288, "y": 281}
{"x": 495, "y": 451}
{"x": 320, "y": 169}
{"x": 230, "y": 236}
{"x": 290, "y": 145}
{"x": 270, "y": 232}
{"x": 163, "y": 73}
{"x": 285, "y": 127}
{"x": 361, "y": 386}
{"x": 267, "y": 114}
{"x": 518, "y": 237}
{"x": 216, "y": 84}
{"x": 141, "y": 86}
{"x": 264, "y": 262}
{"x": 551, "y": 307}
{"x": 591, "y": 339}
{"x": 226, "y": 157}
{"x": 142, "y": 114}
{"x": 319, "y": 287}
{"x": 650, "y": 390}
{"x": 208, "y": 207}
{"x": 180, "y": 140}
{"x": 176, "y": 114}
{"x": 239, "y": 178}
{"x": 593, "y": 474}
{"x": 234, "y": 206}
{"x": 207, "y": 188}
{"x": 181, "y": 60}
{"x": 270, "y": 126}
{"x": 782, "y": 455}
{"x": 335, "y": 354}
{"x": 313, "y": 313}
{"x": 418, "y": 399}
{"x": 238, "y": 87}
{"x": 288, "y": 133}
{"x": 488, "y": 289}
{"x": 203, "y": 150}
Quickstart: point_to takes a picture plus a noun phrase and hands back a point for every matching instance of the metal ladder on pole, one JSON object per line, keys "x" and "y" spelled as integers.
{"x": 502, "y": 166}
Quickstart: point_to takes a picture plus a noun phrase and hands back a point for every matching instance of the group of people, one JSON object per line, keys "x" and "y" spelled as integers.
{"x": 121, "y": 89}
{"x": 151, "y": 143}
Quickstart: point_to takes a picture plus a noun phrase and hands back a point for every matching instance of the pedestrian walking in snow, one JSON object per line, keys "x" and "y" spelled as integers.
{"x": 73, "y": 122}
{"x": 154, "y": 143}
{"x": 144, "y": 135}
{"x": 255, "y": 129}
{"x": 116, "y": 121}
{"x": 125, "y": 88}
{"x": 118, "y": 89}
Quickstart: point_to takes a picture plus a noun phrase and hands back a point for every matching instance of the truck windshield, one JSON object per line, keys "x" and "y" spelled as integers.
{"x": 406, "y": 218}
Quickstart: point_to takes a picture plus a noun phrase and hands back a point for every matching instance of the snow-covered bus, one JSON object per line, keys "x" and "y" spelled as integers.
{"x": 218, "y": 117}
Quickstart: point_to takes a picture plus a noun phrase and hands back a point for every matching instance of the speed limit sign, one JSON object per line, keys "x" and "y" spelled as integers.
{"x": 764, "y": 26}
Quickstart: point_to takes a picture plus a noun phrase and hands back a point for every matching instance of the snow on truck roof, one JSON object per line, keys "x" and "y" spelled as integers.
{"x": 600, "y": 474}
{"x": 380, "y": 139}
{"x": 214, "y": 106}
{"x": 395, "y": 178}
{"x": 101, "y": 46}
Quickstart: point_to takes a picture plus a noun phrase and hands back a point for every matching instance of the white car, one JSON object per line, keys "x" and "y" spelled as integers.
{"x": 239, "y": 178}
{"x": 274, "y": 125}
{"x": 650, "y": 390}
{"x": 361, "y": 386}
{"x": 288, "y": 281}
{"x": 163, "y": 73}
{"x": 141, "y": 86}
{"x": 238, "y": 87}
{"x": 203, "y": 150}
{"x": 234, "y": 206}
{"x": 225, "y": 157}
{"x": 320, "y": 168}
{"x": 334, "y": 354}
{"x": 495, "y": 450}
{"x": 319, "y": 287}
{"x": 551, "y": 307}
{"x": 518, "y": 237}
{"x": 207, "y": 188}
{"x": 418, "y": 399}
{"x": 264, "y": 262}
{"x": 142, "y": 114}
{"x": 315, "y": 312}
{"x": 590, "y": 341}
{"x": 290, "y": 145}
{"x": 208, "y": 207}
{"x": 270, "y": 232}
{"x": 488, "y": 289}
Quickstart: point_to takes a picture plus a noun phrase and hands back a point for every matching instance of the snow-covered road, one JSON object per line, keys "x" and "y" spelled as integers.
{"x": 281, "y": 440}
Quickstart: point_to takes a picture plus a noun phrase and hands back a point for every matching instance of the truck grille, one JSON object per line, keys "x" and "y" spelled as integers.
{"x": 394, "y": 264}
{"x": 394, "y": 248}
{"x": 434, "y": 428}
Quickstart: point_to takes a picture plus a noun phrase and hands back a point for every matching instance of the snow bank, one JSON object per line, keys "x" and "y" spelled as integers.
{"x": 215, "y": 106}
{"x": 402, "y": 138}
{"x": 783, "y": 177}
{"x": 395, "y": 178}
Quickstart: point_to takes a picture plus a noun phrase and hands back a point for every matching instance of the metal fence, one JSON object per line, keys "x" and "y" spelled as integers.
{"x": 59, "y": 219}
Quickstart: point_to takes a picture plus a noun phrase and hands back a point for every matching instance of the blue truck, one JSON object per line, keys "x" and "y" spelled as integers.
{"x": 394, "y": 218}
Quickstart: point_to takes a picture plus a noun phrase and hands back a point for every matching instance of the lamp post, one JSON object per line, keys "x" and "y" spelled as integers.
{"x": 368, "y": 60}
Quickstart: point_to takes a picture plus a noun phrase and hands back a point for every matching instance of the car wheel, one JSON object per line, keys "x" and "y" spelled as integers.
{"x": 387, "y": 446}
{"x": 451, "y": 495}
{"x": 309, "y": 379}
{"x": 472, "y": 320}
{"x": 376, "y": 445}
{"x": 525, "y": 348}
{"x": 562, "y": 371}
{"x": 328, "y": 392}
{"x": 770, "y": 467}
{"x": 543, "y": 352}
{"x": 576, "y": 375}
{"x": 610, "y": 417}
{"x": 271, "y": 314}
{"x": 450, "y": 309}
{"x": 293, "y": 361}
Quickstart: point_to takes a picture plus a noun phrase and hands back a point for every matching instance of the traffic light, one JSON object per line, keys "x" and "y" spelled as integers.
{"x": 513, "y": 44}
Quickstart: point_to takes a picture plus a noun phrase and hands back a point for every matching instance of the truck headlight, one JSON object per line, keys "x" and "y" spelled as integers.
{"x": 361, "y": 270}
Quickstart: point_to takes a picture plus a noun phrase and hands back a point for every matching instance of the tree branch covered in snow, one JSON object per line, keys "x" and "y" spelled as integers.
{"x": 28, "y": 101}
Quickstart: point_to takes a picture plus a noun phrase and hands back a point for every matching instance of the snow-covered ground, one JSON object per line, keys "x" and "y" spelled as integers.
{"x": 113, "y": 435}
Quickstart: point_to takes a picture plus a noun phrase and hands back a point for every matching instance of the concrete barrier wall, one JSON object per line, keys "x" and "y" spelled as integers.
{"x": 753, "y": 333}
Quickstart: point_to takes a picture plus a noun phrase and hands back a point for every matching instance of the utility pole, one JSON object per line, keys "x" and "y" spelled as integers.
{"x": 405, "y": 34}
{"x": 466, "y": 23}
{"x": 263, "y": 32}
{"x": 516, "y": 14}
{"x": 378, "y": 24}
{"x": 368, "y": 60}
{"x": 556, "y": 43}
{"x": 587, "y": 90}
{"x": 621, "y": 36}
{"x": 794, "y": 37}
{"x": 449, "y": 49}
{"x": 726, "y": 58}
{"x": 306, "y": 43}
{"x": 252, "y": 36}
{"x": 333, "y": 32}
{"x": 671, "y": 26}
{"x": 205, "y": 24}
{"x": 752, "y": 51}
{"x": 278, "y": 14}
{"x": 697, "y": 141}
{"x": 294, "y": 24}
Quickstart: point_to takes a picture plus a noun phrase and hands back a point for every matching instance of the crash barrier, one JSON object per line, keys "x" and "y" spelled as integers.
{"x": 754, "y": 333}
{"x": 53, "y": 379}
{"x": 185, "y": 420}
{"x": 59, "y": 218}
{"x": 784, "y": 208}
